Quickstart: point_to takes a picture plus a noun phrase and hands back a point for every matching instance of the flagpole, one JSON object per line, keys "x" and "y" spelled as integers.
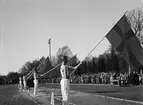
{"x": 50, "y": 70}
{"x": 93, "y": 49}
{"x": 49, "y": 42}
{"x": 31, "y": 73}
{"x": 125, "y": 12}
{"x": 87, "y": 55}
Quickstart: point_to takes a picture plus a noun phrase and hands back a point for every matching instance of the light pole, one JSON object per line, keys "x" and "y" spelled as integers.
{"x": 49, "y": 42}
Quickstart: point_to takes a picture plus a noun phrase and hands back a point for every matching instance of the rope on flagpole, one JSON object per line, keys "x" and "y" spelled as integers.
{"x": 55, "y": 67}
{"x": 87, "y": 55}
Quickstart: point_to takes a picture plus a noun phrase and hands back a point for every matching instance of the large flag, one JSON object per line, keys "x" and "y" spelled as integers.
{"x": 72, "y": 60}
{"x": 123, "y": 39}
{"x": 49, "y": 41}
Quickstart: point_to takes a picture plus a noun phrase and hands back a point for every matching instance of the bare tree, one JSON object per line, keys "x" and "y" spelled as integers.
{"x": 135, "y": 18}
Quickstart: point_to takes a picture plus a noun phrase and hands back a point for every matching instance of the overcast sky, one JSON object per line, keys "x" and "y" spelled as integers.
{"x": 26, "y": 26}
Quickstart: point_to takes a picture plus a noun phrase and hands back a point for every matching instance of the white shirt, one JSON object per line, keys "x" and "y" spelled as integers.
{"x": 63, "y": 71}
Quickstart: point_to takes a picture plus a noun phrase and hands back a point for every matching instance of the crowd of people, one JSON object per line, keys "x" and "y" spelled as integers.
{"x": 122, "y": 79}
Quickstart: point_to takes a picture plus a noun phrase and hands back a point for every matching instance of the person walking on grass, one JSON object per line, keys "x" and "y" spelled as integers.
{"x": 65, "y": 83}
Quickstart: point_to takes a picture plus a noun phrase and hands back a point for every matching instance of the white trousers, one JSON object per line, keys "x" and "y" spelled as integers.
{"x": 65, "y": 90}
{"x": 25, "y": 85}
{"x": 35, "y": 87}
{"x": 20, "y": 85}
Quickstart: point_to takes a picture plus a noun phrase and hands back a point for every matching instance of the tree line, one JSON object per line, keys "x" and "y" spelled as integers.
{"x": 107, "y": 62}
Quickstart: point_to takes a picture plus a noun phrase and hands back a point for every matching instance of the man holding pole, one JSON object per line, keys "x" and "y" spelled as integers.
{"x": 24, "y": 83}
{"x": 65, "y": 83}
{"x": 35, "y": 82}
{"x": 20, "y": 83}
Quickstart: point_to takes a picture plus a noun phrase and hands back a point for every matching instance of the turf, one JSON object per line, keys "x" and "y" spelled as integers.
{"x": 132, "y": 93}
{"x": 10, "y": 95}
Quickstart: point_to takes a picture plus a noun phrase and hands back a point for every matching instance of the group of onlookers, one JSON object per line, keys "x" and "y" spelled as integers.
{"x": 126, "y": 79}
{"x": 136, "y": 79}
{"x": 122, "y": 79}
{"x": 92, "y": 78}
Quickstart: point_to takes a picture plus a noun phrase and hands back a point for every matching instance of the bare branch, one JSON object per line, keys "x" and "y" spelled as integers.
{"x": 135, "y": 18}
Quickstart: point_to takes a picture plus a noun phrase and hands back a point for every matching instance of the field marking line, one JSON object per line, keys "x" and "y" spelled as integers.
{"x": 61, "y": 100}
{"x": 30, "y": 97}
{"x": 120, "y": 99}
{"x": 39, "y": 103}
{"x": 114, "y": 98}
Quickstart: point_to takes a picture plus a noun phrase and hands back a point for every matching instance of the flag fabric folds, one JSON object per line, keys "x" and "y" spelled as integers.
{"x": 49, "y": 41}
{"x": 71, "y": 61}
{"x": 123, "y": 39}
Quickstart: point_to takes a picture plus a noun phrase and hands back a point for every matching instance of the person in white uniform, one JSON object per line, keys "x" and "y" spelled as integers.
{"x": 24, "y": 83}
{"x": 65, "y": 83}
{"x": 20, "y": 83}
{"x": 111, "y": 80}
{"x": 35, "y": 83}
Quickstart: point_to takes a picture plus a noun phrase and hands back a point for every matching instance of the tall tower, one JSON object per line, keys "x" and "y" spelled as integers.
{"x": 49, "y": 42}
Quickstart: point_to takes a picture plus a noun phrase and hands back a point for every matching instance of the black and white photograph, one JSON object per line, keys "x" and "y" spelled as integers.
{"x": 71, "y": 52}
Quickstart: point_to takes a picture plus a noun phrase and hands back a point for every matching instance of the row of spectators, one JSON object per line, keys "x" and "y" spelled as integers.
{"x": 127, "y": 79}
{"x": 103, "y": 78}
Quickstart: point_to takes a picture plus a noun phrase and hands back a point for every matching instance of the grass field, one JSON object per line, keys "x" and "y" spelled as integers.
{"x": 131, "y": 93}
{"x": 10, "y": 95}
{"x": 81, "y": 94}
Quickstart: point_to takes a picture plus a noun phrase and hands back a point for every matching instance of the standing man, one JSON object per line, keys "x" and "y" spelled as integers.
{"x": 111, "y": 79}
{"x": 141, "y": 74}
{"x": 65, "y": 83}
{"x": 35, "y": 82}
{"x": 20, "y": 83}
{"x": 24, "y": 83}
